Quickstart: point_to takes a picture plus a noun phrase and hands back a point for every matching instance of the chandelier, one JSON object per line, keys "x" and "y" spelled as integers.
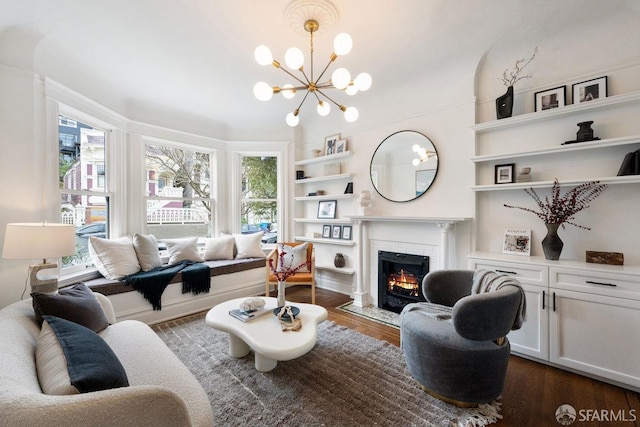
{"x": 306, "y": 80}
{"x": 423, "y": 154}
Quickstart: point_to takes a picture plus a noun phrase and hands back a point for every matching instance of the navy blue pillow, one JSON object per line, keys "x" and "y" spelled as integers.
{"x": 91, "y": 363}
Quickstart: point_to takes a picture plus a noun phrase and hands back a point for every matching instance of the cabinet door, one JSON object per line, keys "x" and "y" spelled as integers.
{"x": 596, "y": 334}
{"x": 532, "y": 339}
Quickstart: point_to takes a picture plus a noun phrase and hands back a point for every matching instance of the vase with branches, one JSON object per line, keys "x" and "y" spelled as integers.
{"x": 504, "y": 103}
{"x": 282, "y": 271}
{"x": 560, "y": 210}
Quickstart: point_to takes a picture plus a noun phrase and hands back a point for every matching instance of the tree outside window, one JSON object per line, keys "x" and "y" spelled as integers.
{"x": 259, "y": 196}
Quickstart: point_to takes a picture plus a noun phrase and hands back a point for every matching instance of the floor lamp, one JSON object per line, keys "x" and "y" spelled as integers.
{"x": 39, "y": 240}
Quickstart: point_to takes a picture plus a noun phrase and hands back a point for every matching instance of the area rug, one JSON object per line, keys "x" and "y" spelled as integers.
{"x": 374, "y": 313}
{"x": 348, "y": 379}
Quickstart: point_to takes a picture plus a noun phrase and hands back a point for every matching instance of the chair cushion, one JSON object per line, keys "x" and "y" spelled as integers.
{"x": 146, "y": 247}
{"x": 72, "y": 359}
{"x": 76, "y": 303}
{"x": 294, "y": 257}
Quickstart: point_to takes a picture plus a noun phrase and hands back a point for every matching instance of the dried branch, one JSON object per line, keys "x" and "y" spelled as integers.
{"x": 511, "y": 77}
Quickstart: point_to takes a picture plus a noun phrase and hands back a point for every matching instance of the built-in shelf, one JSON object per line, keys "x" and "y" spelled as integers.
{"x": 433, "y": 220}
{"x": 321, "y": 240}
{"x": 320, "y": 159}
{"x": 590, "y": 145}
{"x": 324, "y": 197}
{"x": 557, "y": 112}
{"x": 323, "y": 220}
{"x": 342, "y": 270}
{"x": 611, "y": 180}
{"x": 323, "y": 178}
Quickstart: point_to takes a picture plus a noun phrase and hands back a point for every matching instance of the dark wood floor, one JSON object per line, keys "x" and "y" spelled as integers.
{"x": 532, "y": 392}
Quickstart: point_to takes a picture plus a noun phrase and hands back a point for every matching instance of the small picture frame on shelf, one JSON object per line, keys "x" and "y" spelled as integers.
{"x": 346, "y": 232}
{"x": 551, "y": 98}
{"x": 330, "y": 144}
{"x": 341, "y": 146}
{"x": 504, "y": 173}
{"x": 336, "y": 231}
{"x": 327, "y": 209}
{"x": 517, "y": 241}
{"x": 326, "y": 231}
{"x": 590, "y": 90}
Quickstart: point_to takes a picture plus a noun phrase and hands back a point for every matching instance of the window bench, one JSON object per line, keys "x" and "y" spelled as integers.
{"x": 229, "y": 279}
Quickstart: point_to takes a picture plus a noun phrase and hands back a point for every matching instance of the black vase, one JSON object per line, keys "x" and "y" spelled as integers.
{"x": 552, "y": 244}
{"x": 339, "y": 260}
{"x": 504, "y": 104}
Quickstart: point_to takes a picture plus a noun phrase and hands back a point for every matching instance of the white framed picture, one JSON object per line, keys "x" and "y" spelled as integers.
{"x": 517, "y": 241}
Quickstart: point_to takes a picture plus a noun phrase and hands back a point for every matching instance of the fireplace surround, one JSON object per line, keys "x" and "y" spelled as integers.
{"x": 400, "y": 279}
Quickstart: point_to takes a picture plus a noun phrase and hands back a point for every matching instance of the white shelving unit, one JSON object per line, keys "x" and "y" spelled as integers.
{"x": 342, "y": 270}
{"x": 322, "y": 159}
{"x": 323, "y": 178}
{"x": 336, "y": 242}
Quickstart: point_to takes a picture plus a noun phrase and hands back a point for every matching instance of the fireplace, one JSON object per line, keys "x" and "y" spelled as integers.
{"x": 400, "y": 279}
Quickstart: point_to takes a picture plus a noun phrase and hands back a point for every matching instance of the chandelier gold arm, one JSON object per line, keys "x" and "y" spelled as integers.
{"x": 341, "y": 107}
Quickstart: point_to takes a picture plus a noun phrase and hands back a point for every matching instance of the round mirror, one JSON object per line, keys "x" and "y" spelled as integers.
{"x": 404, "y": 166}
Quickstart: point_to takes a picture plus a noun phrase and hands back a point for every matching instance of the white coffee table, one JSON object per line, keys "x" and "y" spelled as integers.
{"x": 264, "y": 335}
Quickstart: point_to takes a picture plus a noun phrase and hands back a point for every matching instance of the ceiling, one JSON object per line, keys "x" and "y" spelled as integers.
{"x": 193, "y": 59}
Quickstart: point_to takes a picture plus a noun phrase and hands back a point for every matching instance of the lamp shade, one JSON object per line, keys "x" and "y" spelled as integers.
{"x": 38, "y": 240}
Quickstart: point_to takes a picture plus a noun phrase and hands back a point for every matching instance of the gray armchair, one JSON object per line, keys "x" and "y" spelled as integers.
{"x": 455, "y": 344}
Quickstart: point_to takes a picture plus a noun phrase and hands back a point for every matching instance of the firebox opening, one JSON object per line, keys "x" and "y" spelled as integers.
{"x": 400, "y": 279}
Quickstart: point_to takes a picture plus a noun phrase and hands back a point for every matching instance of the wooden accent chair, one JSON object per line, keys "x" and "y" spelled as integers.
{"x": 300, "y": 277}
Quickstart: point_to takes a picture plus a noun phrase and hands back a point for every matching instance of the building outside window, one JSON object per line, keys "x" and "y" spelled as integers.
{"x": 259, "y": 196}
{"x": 178, "y": 191}
{"x": 84, "y": 200}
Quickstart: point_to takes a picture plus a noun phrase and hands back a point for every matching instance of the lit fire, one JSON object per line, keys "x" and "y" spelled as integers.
{"x": 404, "y": 282}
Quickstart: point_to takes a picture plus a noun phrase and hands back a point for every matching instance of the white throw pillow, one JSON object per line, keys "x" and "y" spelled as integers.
{"x": 294, "y": 256}
{"x": 52, "y": 365}
{"x": 185, "y": 249}
{"x": 218, "y": 248}
{"x": 249, "y": 245}
{"x": 114, "y": 258}
{"x": 146, "y": 247}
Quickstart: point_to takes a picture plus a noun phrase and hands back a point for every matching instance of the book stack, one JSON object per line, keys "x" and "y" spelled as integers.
{"x": 246, "y": 316}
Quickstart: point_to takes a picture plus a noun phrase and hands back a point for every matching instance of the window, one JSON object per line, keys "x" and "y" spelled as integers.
{"x": 259, "y": 196}
{"x": 178, "y": 190}
{"x": 84, "y": 201}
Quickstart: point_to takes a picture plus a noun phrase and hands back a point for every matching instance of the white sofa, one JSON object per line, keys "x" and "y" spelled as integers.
{"x": 161, "y": 391}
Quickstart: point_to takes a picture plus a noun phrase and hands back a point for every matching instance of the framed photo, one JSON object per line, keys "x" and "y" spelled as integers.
{"x": 326, "y": 231}
{"x": 341, "y": 146}
{"x": 590, "y": 90}
{"x": 504, "y": 173}
{"x": 336, "y": 231}
{"x": 551, "y": 98}
{"x": 327, "y": 209}
{"x": 517, "y": 241}
{"x": 346, "y": 232}
{"x": 330, "y": 144}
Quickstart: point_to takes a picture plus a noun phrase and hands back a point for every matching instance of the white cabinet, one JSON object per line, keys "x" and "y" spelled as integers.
{"x": 584, "y": 317}
{"x": 595, "y": 323}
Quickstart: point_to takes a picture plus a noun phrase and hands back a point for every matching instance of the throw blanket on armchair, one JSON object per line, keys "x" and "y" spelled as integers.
{"x": 487, "y": 281}
{"x": 151, "y": 284}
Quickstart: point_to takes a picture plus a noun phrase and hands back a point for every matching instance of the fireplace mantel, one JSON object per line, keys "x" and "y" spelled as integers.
{"x": 446, "y": 224}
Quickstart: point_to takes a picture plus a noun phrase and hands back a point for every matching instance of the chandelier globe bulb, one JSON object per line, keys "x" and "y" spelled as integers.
{"x": 292, "y": 120}
{"x": 415, "y": 162}
{"x": 363, "y": 81}
{"x": 288, "y": 91}
{"x": 342, "y": 44}
{"x": 415, "y": 148}
{"x": 263, "y": 91}
{"x": 263, "y": 55}
{"x": 294, "y": 58}
{"x": 351, "y": 114}
{"x": 323, "y": 108}
{"x": 351, "y": 90}
{"x": 341, "y": 78}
